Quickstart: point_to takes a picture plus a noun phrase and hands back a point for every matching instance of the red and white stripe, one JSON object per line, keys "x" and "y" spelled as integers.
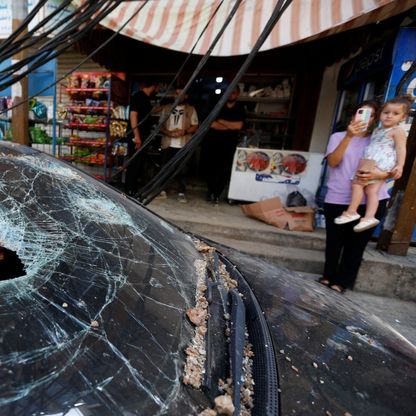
{"x": 177, "y": 24}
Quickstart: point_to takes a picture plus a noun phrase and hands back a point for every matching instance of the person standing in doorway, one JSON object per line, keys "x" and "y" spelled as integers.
{"x": 220, "y": 144}
{"x": 180, "y": 125}
{"x": 140, "y": 123}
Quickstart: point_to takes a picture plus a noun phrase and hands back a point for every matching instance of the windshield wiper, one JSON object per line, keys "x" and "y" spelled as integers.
{"x": 237, "y": 326}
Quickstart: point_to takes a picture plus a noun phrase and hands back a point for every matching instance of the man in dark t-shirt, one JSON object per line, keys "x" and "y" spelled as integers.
{"x": 220, "y": 144}
{"x": 140, "y": 123}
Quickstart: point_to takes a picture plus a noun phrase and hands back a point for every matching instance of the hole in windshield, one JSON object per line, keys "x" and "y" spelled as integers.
{"x": 10, "y": 264}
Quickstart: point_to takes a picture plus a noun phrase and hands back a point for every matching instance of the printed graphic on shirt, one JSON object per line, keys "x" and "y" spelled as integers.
{"x": 176, "y": 118}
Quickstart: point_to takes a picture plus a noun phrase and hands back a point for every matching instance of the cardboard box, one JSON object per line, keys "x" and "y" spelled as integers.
{"x": 271, "y": 211}
{"x": 301, "y": 218}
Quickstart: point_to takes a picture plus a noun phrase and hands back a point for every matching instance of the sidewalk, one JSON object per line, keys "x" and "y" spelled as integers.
{"x": 380, "y": 274}
{"x": 386, "y": 285}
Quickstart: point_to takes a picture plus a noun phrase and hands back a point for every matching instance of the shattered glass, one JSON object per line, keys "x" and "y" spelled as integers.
{"x": 96, "y": 325}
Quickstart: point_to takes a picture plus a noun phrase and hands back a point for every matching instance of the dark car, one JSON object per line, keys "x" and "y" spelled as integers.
{"x": 107, "y": 309}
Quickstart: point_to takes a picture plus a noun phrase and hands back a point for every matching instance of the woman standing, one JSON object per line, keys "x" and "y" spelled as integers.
{"x": 345, "y": 248}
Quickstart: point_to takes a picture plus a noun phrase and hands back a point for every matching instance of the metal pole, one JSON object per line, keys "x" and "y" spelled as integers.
{"x": 20, "y": 119}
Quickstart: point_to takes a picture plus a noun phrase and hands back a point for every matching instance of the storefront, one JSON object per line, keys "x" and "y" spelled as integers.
{"x": 375, "y": 74}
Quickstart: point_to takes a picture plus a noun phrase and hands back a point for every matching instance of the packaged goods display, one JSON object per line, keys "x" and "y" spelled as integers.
{"x": 268, "y": 103}
{"x": 93, "y": 123}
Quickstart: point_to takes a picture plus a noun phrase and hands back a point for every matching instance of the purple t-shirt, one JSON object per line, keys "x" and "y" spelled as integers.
{"x": 339, "y": 177}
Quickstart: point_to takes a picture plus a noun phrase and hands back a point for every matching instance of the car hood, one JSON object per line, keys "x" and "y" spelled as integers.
{"x": 97, "y": 324}
{"x": 333, "y": 357}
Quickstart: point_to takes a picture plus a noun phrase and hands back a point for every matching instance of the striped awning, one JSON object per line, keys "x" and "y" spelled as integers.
{"x": 177, "y": 24}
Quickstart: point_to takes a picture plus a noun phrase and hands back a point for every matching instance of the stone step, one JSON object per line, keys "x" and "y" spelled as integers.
{"x": 380, "y": 274}
{"x": 269, "y": 234}
{"x": 298, "y": 259}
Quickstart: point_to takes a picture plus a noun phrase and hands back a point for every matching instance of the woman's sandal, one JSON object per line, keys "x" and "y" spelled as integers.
{"x": 337, "y": 288}
{"x": 323, "y": 281}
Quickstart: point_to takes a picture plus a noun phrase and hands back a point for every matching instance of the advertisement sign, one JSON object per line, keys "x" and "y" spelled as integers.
{"x": 264, "y": 173}
{"x": 405, "y": 55}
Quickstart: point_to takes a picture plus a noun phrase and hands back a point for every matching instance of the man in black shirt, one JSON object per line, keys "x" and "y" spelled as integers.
{"x": 140, "y": 122}
{"x": 220, "y": 144}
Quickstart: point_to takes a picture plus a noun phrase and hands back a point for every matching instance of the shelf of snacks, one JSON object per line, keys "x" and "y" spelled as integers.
{"x": 93, "y": 122}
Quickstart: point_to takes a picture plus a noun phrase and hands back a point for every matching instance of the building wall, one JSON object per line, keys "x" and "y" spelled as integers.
{"x": 326, "y": 107}
{"x": 68, "y": 60}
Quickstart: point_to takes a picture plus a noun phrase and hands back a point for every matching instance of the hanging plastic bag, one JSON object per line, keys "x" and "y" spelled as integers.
{"x": 39, "y": 109}
{"x": 295, "y": 199}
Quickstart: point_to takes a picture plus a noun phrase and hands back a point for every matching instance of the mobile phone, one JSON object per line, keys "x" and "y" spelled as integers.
{"x": 364, "y": 115}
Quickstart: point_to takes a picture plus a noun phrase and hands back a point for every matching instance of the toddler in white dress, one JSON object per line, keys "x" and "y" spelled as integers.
{"x": 385, "y": 155}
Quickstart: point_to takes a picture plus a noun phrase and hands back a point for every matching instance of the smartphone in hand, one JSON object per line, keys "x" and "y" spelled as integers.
{"x": 364, "y": 115}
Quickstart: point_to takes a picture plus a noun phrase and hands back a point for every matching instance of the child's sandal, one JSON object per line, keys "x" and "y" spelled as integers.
{"x": 366, "y": 224}
{"x": 346, "y": 218}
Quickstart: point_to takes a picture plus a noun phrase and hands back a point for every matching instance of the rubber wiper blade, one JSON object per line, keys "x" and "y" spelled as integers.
{"x": 237, "y": 340}
{"x": 216, "y": 345}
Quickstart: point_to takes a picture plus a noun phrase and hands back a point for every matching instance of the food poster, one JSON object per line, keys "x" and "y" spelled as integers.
{"x": 264, "y": 173}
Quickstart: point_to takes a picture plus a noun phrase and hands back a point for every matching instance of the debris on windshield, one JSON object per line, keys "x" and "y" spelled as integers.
{"x": 196, "y": 352}
{"x": 197, "y": 315}
{"x": 224, "y": 405}
{"x": 247, "y": 389}
{"x": 208, "y": 412}
{"x": 202, "y": 247}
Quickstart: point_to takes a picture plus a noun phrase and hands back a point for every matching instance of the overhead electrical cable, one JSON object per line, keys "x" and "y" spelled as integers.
{"x": 50, "y": 51}
{"x": 173, "y": 166}
{"x": 105, "y": 43}
{"x": 186, "y": 87}
{"x": 23, "y": 25}
{"x": 176, "y": 76}
{"x": 46, "y": 54}
{"x": 32, "y": 37}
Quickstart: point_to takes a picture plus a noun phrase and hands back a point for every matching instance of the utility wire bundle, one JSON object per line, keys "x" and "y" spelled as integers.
{"x": 72, "y": 26}
{"x": 174, "y": 165}
{"x": 65, "y": 29}
{"x": 104, "y": 44}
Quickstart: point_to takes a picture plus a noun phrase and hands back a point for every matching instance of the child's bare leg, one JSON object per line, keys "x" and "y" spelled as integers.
{"x": 371, "y": 192}
{"x": 357, "y": 193}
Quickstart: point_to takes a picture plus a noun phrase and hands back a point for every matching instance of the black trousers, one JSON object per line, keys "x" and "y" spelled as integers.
{"x": 168, "y": 154}
{"x": 218, "y": 154}
{"x": 345, "y": 248}
{"x": 135, "y": 171}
